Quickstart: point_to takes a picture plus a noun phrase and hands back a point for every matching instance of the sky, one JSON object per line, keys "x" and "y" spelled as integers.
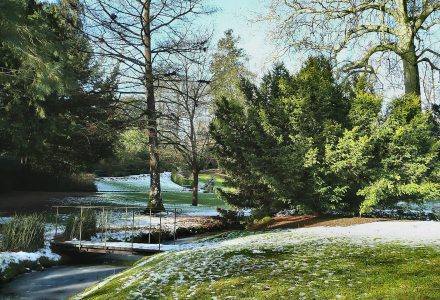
{"x": 255, "y": 36}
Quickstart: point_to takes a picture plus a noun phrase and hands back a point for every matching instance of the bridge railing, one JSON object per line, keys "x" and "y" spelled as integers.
{"x": 129, "y": 211}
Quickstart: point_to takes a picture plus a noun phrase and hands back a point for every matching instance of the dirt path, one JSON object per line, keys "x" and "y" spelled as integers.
{"x": 312, "y": 221}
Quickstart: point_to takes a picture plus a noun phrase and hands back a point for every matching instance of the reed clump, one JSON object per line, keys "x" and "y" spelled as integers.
{"x": 88, "y": 225}
{"x": 23, "y": 233}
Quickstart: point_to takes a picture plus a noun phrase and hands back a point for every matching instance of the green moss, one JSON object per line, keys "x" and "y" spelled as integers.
{"x": 265, "y": 219}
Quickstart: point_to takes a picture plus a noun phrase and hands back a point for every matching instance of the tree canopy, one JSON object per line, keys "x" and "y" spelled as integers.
{"x": 363, "y": 35}
{"x": 55, "y": 103}
{"x": 307, "y": 141}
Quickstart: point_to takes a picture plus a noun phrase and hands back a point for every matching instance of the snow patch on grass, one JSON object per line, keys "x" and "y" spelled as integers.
{"x": 407, "y": 232}
{"x": 5, "y": 220}
{"x": 15, "y": 263}
{"x": 420, "y": 232}
{"x": 140, "y": 183}
{"x": 312, "y": 258}
{"x": 6, "y": 258}
{"x": 108, "y": 279}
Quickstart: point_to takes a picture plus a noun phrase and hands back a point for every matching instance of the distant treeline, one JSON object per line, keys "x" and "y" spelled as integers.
{"x": 15, "y": 177}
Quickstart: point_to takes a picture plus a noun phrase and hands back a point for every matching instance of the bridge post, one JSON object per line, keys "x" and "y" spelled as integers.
{"x": 80, "y": 227}
{"x": 175, "y": 221}
{"x": 102, "y": 223}
{"x": 132, "y": 229}
{"x": 105, "y": 229}
{"x": 160, "y": 228}
{"x": 125, "y": 225}
{"x": 56, "y": 225}
{"x": 149, "y": 230}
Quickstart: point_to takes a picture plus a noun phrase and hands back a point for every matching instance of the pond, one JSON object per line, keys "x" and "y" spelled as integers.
{"x": 67, "y": 279}
{"x": 64, "y": 281}
{"x": 73, "y": 275}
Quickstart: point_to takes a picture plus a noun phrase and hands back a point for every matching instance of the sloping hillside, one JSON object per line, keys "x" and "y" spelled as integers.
{"x": 367, "y": 261}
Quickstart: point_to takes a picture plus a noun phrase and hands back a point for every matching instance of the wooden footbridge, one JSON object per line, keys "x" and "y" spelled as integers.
{"x": 74, "y": 247}
{"x": 76, "y": 241}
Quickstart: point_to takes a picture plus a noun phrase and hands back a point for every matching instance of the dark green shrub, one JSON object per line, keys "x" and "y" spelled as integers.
{"x": 79, "y": 182}
{"x": 74, "y": 223}
{"x": 23, "y": 233}
{"x": 180, "y": 180}
{"x": 232, "y": 218}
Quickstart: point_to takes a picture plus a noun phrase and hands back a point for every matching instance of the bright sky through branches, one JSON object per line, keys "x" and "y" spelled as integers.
{"x": 257, "y": 42}
{"x": 240, "y": 16}
{"x": 255, "y": 37}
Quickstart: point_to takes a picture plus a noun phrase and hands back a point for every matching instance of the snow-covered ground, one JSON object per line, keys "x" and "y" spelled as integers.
{"x": 122, "y": 245}
{"x": 416, "y": 232}
{"x": 405, "y": 232}
{"x": 8, "y": 258}
{"x": 137, "y": 183}
{"x": 4, "y": 220}
{"x": 121, "y": 229}
{"x": 408, "y": 232}
{"x": 242, "y": 253}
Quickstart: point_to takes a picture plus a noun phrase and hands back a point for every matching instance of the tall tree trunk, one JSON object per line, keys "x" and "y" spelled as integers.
{"x": 195, "y": 187}
{"x": 155, "y": 198}
{"x": 411, "y": 71}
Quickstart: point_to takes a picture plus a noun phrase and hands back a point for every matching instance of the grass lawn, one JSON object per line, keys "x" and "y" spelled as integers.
{"x": 208, "y": 202}
{"x": 276, "y": 265}
{"x": 205, "y": 199}
{"x": 170, "y": 198}
{"x": 219, "y": 180}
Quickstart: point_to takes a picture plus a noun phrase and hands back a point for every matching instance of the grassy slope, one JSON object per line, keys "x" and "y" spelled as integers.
{"x": 310, "y": 269}
{"x": 219, "y": 180}
{"x": 179, "y": 198}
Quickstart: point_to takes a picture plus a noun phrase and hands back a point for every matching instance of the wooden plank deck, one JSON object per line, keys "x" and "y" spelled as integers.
{"x": 110, "y": 247}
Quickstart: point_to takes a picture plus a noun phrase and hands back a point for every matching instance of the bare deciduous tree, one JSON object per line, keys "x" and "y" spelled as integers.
{"x": 187, "y": 128}
{"x": 142, "y": 36}
{"x": 407, "y": 29}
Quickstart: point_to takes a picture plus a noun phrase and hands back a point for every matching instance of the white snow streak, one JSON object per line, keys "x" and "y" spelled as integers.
{"x": 7, "y": 258}
{"x": 140, "y": 183}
